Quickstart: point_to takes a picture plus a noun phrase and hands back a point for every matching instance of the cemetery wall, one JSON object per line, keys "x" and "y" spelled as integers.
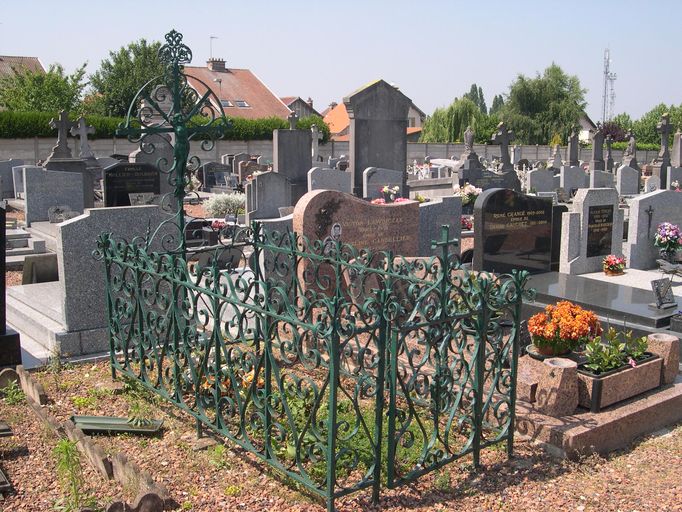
{"x": 31, "y": 150}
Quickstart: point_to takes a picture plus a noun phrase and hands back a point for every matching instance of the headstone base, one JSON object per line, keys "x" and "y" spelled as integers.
{"x": 10, "y": 348}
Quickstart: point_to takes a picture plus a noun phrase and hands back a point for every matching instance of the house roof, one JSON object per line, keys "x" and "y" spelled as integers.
{"x": 9, "y": 65}
{"x": 288, "y": 100}
{"x": 238, "y": 84}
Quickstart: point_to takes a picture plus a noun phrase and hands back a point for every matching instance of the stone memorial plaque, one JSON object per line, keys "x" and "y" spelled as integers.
{"x": 599, "y": 230}
{"x": 140, "y": 198}
{"x": 124, "y": 179}
{"x": 663, "y": 293}
{"x": 513, "y": 231}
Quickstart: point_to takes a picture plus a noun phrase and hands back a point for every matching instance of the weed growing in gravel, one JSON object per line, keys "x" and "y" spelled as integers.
{"x": 71, "y": 479}
{"x": 217, "y": 457}
{"x": 134, "y": 390}
{"x": 84, "y": 402}
{"x": 186, "y": 505}
{"x": 140, "y": 413}
{"x": 99, "y": 393}
{"x": 442, "y": 481}
{"x": 232, "y": 490}
{"x": 12, "y": 394}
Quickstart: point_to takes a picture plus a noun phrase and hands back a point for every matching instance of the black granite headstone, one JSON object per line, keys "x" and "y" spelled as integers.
{"x": 599, "y": 230}
{"x": 512, "y": 231}
{"x": 129, "y": 178}
{"x": 488, "y": 180}
{"x": 557, "y": 211}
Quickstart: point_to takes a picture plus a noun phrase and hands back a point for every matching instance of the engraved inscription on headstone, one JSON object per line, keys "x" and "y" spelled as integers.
{"x": 599, "y": 230}
{"x": 122, "y": 180}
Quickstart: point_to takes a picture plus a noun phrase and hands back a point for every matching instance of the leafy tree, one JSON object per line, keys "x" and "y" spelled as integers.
{"x": 623, "y": 121}
{"x": 121, "y": 75}
{"x": 645, "y": 127}
{"x": 42, "y": 92}
{"x": 498, "y": 103}
{"x": 306, "y": 123}
{"x": 615, "y": 130}
{"x": 537, "y": 108}
{"x": 475, "y": 94}
{"x": 448, "y": 124}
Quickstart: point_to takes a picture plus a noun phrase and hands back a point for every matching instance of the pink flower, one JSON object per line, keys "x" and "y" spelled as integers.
{"x": 632, "y": 362}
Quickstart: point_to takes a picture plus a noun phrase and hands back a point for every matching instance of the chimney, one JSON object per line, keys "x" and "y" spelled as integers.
{"x": 216, "y": 64}
{"x": 310, "y": 102}
{"x": 332, "y": 105}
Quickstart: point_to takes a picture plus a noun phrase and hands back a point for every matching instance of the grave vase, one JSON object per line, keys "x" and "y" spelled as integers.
{"x": 668, "y": 255}
{"x": 610, "y": 272}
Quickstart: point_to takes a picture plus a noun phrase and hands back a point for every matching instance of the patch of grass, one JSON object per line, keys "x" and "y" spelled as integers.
{"x": 140, "y": 413}
{"x": 186, "y": 505}
{"x": 70, "y": 474}
{"x": 84, "y": 402}
{"x": 232, "y": 490}
{"x": 12, "y": 394}
{"x": 217, "y": 457}
{"x": 442, "y": 480}
{"x": 99, "y": 393}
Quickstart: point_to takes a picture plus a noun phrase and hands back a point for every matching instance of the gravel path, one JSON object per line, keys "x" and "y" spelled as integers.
{"x": 646, "y": 477}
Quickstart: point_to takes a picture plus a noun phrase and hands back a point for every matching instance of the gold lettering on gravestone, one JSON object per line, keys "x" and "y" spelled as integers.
{"x": 516, "y": 220}
{"x": 599, "y": 230}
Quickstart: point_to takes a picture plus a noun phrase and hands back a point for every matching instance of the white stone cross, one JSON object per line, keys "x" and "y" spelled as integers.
{"x": 82, "y": 130}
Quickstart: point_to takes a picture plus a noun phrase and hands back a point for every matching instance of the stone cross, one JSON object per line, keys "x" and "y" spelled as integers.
{"x": 664, "y": 128}
{"x": 82, "y": 130}
{"x": 502, "y": 137}
{"x": 573, "y": 149}
{"x": 468, "y": 140}
{"x": 597, "y": 162}
{"x": 316, "y": 138}
{"x": 293, "y": 119}
{"x": 62, "y": 125}
{"x": 609, "y": 156}
{"x": 630, "y": 154}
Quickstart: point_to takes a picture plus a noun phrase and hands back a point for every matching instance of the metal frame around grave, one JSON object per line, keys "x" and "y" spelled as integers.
{"x": 342, "y": 368}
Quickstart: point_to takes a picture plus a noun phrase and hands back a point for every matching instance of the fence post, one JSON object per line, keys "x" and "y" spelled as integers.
{"x": 479, "y": 374}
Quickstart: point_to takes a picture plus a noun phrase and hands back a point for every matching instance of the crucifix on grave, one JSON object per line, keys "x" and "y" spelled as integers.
{"x": 62, "y": 125}
{"x": 180, "y": 121}
{"x": 665, "y": 129}
{"x": 293, "y": 119}
{"x": 650, "y": 212}
{"x": 609, "y": 156}
{"x": 597, "y": 162}
{"x": 445, "y": 242}
{"x": 503, "y": 137}
{"x": 82, "y": 130}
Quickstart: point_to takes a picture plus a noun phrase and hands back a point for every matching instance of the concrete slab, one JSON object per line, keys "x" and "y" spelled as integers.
{"x": 637, "y": 279}
{"x": 43, "y": 297}
{"x": 613, "y": 428}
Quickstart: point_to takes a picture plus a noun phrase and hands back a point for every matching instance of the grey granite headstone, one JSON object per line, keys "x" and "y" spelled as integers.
{"x": 375, "y": 178}
{"x": 676, "y": 155}
{"x": 627, "y": 181}
{"x": 572, "y": 178}
{"x": 329, "y": 179}
{"x": 674, "y": 176}
{"x": 44, "y": 189}
{"x": 378, "y": 130}
{"x": 292, "y": 158}
{"x": 540, "y": 180}
{"x": 76, "y": 165}
{"x": 237, "y": 159}
{"x": 433, "y": 215}
{"x": 597, "y": 163}
{"x": 7, "y": 177}
{"x": 647, "y": 211}
{"x": 592, "y": 230}
{"x": 18, "y": 179}
{"x": 265, "y": 194}
{"x": 82, "y": 277}
{"x": 600, "y": 179}
{"x": 556, "y": 162}
{"x": 572, "y": 150}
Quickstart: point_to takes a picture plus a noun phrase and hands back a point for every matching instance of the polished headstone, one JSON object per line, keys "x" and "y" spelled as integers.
{"x": 123, "y": 179}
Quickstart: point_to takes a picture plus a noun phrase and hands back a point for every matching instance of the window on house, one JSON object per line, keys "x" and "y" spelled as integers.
{"x": 241, "y": 104}
{"x": 226, "y": 103}
{"x": 412, "y": 122}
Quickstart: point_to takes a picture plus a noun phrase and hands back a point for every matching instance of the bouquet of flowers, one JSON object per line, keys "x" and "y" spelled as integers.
{"x": 467, "y": 223}
{"x": 668, "y": 238}
{"x": 468, "y": 193}
{"x": 613, "y": 263}
{"x": 562, "y": 328}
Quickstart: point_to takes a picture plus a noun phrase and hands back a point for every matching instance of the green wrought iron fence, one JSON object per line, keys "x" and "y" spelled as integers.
{"x": 343, "y": 369}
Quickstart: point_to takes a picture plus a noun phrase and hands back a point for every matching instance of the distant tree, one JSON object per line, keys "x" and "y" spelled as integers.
{"x": 121, "y": 75}
{"x": 475, "y": 94}
{"x": 448, "y": 124}
{"x": 498, "y": 103}
{"x": 306, "y": 123}
{"x": 645, "y": 127}
{"x": 42, "y": 92}
{"x": 623, "y": 121}
{"x": 615, "y": 130}
{"x": 537, "y": 108}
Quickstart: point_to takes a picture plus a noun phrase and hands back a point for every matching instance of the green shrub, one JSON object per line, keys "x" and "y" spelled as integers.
{"x": 12, "y": 393}
{"x": 21, "y": 125}
{"x": 221, "y": 205}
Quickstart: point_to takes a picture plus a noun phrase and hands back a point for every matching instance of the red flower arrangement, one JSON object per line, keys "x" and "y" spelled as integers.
{"x": 613, "y": 264}
{"x": 467, "y": 223}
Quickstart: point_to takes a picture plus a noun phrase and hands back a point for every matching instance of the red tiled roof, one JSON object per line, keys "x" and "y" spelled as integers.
{"x": 337, "y": 119}
{"x": 238, "y": 84}
{"x": 288, "y": 100}
{"x": 10, "y": 65}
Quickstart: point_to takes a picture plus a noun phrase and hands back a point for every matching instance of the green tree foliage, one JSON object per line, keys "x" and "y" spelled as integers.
{"x": 121, "y": 75}
{"x": 306, "y": 122}
{"x": 42, "y": 92}
{"x": 623, "y": 121}
{"x": 615, "y": 130}
{"x": 475, "y": 94}
{"x": 448, "y": 124}
{"x": 537, "y": 108}
{"x": 498, "y": 103}
{"x": 645, "y": 127}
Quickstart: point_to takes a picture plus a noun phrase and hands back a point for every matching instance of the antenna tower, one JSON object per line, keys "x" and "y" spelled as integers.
{"x": 609, "y": 97}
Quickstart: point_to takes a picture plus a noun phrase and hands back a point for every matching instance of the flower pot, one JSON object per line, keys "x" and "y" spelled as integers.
{"x": 545, "y": 352}
{"x": 596, "y": 391}
{"x": 609, "y": 272}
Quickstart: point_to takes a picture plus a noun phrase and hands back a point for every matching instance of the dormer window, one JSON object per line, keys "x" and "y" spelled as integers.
{"x": 226, "y": 103}
{"x": 241, "y": 104}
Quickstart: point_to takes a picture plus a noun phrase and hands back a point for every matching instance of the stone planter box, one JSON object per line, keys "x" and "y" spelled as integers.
{"x": 676, "y": 323}
{"x": 598, "y": 391}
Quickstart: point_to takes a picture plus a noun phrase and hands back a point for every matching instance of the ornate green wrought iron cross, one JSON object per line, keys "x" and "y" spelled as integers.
{"x": 169, "y": 104}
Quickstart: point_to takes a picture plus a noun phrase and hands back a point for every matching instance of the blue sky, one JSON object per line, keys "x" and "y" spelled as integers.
{"x": 432, "y": 50}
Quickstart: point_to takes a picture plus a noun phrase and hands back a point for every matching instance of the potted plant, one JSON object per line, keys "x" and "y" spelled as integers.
{"x": 613, "y": 265}
{"x": 467, "y": 223}
{"x": 618, "y": 367}
{"x": 668, "y": 240}
{"x": 562, "y": 328}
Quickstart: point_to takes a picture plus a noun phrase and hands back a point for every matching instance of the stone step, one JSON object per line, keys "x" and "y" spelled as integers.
{"x": 33, "y": 324}
{"x": 16, "y": 243}
{"x": 33, "y": 246}
{"x": 45, "y": 231}
{"x": 17, "y": 234}
{"x": 44, "y": 298}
